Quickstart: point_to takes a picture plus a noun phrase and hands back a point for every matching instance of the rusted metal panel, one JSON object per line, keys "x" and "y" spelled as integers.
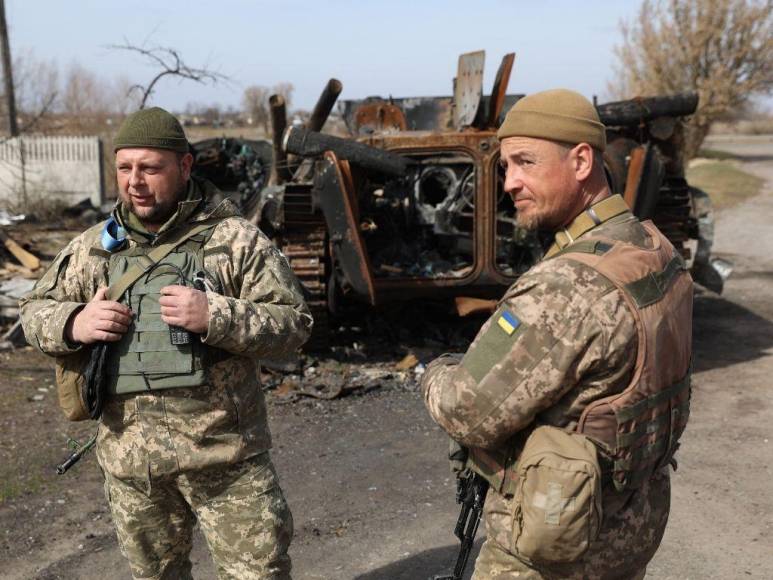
{"x": 421, "y": 113}
{"x": 645, "y": 177}
{"x": 335, "y": 194}
{"x": 466, "y": 305}
{"x": 379, "y": 118}
{"x": 468, "y": 88}
{"x": 634, "y": 178}
{"x": 497, "y": 99}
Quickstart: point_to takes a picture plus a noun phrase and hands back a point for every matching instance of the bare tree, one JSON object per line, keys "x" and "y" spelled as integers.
{"x": 170, "y": 63}
{"x": 723, "y": 49}
{"x": 123, "y": 99}
{"x": 36, "y": 85}
{"x": 84, "y": 93}
{"x": 255, "y": 103}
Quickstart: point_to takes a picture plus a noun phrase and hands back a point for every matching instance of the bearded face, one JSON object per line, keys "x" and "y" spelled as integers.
{"x": 151, "y": 182}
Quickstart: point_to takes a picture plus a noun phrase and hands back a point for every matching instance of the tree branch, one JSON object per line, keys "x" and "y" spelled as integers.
{"x": 171, "y": 63}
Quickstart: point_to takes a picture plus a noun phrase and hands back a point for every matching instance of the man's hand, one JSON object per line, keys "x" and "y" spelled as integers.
{"x": 100, "y": 320}
{"x": 185, "y": 307}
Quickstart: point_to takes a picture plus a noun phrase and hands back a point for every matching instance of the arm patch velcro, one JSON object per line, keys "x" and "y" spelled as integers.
{"x": 492, "y": 346}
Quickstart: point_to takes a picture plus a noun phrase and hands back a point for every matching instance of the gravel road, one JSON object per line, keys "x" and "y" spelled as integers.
{"x": 368, "y": 484}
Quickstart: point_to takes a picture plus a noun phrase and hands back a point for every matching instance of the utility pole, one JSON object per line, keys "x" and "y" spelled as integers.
{"x": 10, "y": 97}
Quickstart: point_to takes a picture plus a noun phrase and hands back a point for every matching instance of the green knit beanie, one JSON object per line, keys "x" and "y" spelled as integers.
{"x": 154, "y": 128}
{"x": 556, "y": 115}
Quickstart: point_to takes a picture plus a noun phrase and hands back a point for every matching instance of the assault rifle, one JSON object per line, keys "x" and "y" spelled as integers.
{"x": 471, "y": 493}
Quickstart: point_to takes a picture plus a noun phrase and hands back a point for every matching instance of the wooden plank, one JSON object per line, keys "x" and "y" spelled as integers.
{"x": 24, "y": 257}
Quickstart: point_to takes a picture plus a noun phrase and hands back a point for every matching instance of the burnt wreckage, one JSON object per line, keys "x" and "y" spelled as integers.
{"x": 411, "y": 203}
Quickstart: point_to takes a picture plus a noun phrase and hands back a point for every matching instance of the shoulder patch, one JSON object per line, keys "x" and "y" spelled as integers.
{"x": 508, "y": 322}
{"x": 493, "y": 345}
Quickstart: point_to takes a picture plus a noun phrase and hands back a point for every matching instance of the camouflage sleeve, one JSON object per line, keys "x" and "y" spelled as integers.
{"x": 61, "y": 291}
{"x": 551, "y": 329}
{"x": 259, "y": 309}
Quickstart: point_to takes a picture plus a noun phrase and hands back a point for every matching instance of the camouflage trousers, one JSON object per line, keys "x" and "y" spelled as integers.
{"x": 240, "y": 508}
{"x": 632, "y": 528}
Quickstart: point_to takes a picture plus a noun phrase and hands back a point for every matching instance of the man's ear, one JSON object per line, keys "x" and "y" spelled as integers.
{"x": 186, "y": 162}
{"x": 582, "y": 159}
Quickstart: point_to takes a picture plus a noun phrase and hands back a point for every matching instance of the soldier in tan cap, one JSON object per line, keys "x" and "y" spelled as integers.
{"x": 571, "y": 399}
{"x": 183, "y": 435}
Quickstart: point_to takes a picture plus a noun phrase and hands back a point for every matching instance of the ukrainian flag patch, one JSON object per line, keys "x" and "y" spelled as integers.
{"x": 508, "y": 322}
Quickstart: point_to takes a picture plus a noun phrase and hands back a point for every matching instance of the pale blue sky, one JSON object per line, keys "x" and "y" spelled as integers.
{"x": 400, "y": 47}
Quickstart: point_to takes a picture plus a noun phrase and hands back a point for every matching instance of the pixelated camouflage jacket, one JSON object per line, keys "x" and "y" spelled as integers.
{"x": 572, "y": 340}
{"x": 257, "y": 312}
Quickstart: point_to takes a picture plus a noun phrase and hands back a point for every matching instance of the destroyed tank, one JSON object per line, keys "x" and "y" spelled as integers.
{"x": 410, "y": 204}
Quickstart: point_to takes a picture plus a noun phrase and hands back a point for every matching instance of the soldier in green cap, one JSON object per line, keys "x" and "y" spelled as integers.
{"x": 571, "y": 399}
{"x": 183, "y": 435}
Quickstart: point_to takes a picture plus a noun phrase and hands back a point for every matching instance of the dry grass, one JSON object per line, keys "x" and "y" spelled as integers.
{"x": 761, "y": 125}
{"x": 724, "y": 181}
{"x": 200, "y": 133}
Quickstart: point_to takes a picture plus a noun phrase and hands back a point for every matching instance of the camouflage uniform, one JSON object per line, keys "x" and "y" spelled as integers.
{"x": 576, "y": 343}
{"x": 177, "y": 456}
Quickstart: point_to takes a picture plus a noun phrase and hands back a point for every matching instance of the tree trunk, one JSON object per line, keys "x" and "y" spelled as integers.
{"x": 10, "y": 96}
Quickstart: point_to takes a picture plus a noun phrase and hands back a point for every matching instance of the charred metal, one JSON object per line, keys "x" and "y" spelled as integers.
{"x": 411, "y": 203}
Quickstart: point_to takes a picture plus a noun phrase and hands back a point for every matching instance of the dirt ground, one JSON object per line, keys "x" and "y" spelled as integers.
{"x": 365, "y": 474}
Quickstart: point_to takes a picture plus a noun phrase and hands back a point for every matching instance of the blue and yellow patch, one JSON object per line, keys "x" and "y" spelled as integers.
{"x": 508, "y": 322}
{"x": 495, "y": 344}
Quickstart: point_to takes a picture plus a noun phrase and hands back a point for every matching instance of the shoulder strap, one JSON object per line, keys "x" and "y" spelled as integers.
{"x": 592, "y": 217}
{"x": 157, "y": 254}
{"x": 591, "y": 246}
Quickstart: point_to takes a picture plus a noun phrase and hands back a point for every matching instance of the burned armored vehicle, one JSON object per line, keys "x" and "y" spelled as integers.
{"x": 409, "y": 203}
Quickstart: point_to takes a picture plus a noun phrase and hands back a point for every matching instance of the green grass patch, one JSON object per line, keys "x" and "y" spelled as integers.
{"x": 726, "y": 184}
{"x": 716, "y": 154}
{"x": 13, "y": 488}
{"x": 9, "y": 490}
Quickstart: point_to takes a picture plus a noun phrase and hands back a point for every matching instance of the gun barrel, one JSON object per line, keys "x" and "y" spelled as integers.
{"x": 281, "y": 171}
{"x": 324, "y": 105}
{"x": 305, "y": 143}
{"x": 75, "y": 457}
{"x": 634, "y": 111}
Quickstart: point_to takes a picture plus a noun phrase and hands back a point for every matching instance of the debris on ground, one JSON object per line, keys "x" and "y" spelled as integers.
{"x": 27, "y": 247}
{"x": 13, "y": 337}
{"x": 376, "y": 352}
{"x": 408, "y": 362}
{"x": 7, "y": 218}
{"x": 11, "y": 290}
{"x": 24, "y": 257}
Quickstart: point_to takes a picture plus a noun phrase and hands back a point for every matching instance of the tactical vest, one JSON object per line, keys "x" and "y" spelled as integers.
{"x": 146, "y": 357}
{"x": 639, "y": 428}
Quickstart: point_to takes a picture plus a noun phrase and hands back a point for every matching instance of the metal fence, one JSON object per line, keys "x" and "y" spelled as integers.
{"x": 67, "y": 169}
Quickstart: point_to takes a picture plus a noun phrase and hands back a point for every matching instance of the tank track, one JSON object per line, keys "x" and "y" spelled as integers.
{"x": 304, "y": 244}
{"x": 673, "y": 213}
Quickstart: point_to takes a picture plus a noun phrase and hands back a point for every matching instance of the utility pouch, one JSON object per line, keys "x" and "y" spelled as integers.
{"x": 558, "y": 506}
{"x": 70, "y": 383}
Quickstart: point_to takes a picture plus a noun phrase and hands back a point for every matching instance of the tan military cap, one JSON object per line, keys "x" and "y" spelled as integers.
{"x": 557, "y": 115}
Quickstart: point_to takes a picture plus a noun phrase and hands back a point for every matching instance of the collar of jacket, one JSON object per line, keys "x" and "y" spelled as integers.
{"x": 197, "y": 205}
{"x": 591, "y": 218}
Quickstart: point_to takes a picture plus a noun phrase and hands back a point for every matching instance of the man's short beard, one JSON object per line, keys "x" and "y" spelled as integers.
{"x": 160, "y": 213}
{"x": 528, "y": 222}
